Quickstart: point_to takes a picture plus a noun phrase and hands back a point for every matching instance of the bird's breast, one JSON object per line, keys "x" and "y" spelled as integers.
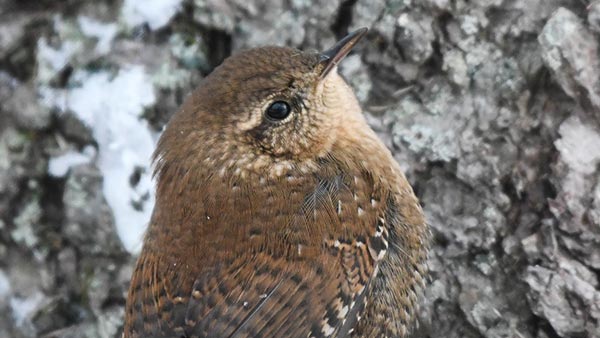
{"x": 289, "y": 214}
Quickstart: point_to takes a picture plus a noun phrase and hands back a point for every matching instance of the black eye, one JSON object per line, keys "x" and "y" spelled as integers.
{"x": 278, "y": 110}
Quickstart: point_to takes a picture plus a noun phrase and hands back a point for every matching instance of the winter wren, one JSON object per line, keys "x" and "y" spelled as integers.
{"x": 279, "y": 213}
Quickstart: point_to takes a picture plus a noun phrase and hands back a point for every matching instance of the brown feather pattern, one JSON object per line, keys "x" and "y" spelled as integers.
{"x": 321, "y": 238}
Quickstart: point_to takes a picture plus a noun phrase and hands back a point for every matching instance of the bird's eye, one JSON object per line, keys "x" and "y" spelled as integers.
{"x": 278, "y": 110}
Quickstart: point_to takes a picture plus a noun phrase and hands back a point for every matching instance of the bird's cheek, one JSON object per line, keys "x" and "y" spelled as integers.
{"x": 253, "y": 120}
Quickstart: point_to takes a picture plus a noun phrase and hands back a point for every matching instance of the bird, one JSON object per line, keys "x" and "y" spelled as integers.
{"x": 279, "y": 212}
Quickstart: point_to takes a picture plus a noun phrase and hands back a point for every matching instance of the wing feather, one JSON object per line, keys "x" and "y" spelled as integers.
{"x": 315, "y": 290}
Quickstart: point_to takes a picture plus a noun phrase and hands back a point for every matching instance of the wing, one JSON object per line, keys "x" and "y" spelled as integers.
{"x": 311, "y": 290}
{"x": 275, "y": 297}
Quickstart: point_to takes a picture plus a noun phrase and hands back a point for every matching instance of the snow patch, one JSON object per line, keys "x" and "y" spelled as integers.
{"x": 105, "y": 33}
{"x": 112, "y": 107}
{"x": 23, "y": 308}
{"x": 156, "y": 13}
{"x": 59, "y": 166}
{"x": 52, "y": 60}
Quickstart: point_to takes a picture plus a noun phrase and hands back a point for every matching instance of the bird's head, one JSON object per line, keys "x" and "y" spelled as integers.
{"x": 262, "y": 108}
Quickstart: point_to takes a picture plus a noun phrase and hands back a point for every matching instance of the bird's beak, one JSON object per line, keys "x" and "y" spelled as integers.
{"x": 332, "y": 57}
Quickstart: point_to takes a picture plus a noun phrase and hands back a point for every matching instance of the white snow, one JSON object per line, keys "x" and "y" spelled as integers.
{"x": 22, "y": 308}
{"x": 156, "y": 13}
{"x": 59, "y": 166}
{"x": 52, "y": 60}
{"x": 112, "y": 105}
{"x": 105, "y": 33}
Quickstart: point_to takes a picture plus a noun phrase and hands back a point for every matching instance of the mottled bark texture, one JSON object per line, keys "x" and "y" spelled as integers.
{"x": 491, "y": 106}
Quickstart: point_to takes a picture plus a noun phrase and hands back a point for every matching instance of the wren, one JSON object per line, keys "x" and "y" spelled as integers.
{"x": 279, "y": 212}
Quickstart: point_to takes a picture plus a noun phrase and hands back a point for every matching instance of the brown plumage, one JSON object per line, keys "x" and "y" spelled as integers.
{"x": 279, "y": 213}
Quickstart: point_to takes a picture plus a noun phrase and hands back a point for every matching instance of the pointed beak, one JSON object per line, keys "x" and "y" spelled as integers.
{"x": 332, "y": 57}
